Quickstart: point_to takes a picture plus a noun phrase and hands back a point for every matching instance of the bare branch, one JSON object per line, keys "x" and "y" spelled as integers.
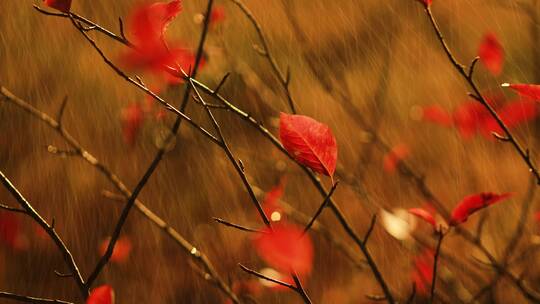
{"x": 239, "y": 227}
{"x": 321, "y": 208}
{"x": 28, "y": 299}
{"x": 262, "y": 276}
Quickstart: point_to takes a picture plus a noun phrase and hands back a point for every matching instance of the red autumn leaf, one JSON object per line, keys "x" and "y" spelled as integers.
{"x": 491, "y": 53}
{"x": 121, "y": 250}
{"x": 61, "y": 5}
{"x": 132, "y": 118}
{"x": 527, "y": 90}
{"x": 285, "y": 248}
{"x": 422, "y": 274}
{"x": 310, "y": 142}
{"x": 149, "y": 22}
{"x": 537, "y": 216}
{"x": 103, "y": 294}
{"x": 425, "y": 215}
{"x": 11, "y": 232}
{"x": 512, "y": 114}
{"x": 473, "y": 203}
{"x": 217, "y": 15}
{"x": 151, "y": 52}
{"x": 436, "y": 114}
{"x": 392, "y": 159}
{"x": 469, "y": 117}
{"x": 271, "y": 201}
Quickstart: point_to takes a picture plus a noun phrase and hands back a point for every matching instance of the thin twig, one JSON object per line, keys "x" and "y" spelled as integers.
{"x": 28, "y": 299}
{"x": 122, "y": 188}
{"x": 262, "y": 276}
{"x": 12, "y": 209}
{"x": 49, "y": 229}
{"x": 284, "y": 78}
{"x": 239, "y": 227}
{"x": 435, "y": 261}
{"x": 468, "y": 77}
{"x": 321, "y": 208}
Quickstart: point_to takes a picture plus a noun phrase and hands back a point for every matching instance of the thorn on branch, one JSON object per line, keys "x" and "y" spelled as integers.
{"x": 474, "y": 96}
{"x": 239, "y": 227}
{"x": 262, "y": 276}
{"x": 121, "y": 26}
{"x": 62, "y": 275}
{"x": 500, "y": 137}
{"x": 260, "y": 50}
{"x": 472, "y": 66}
{"x": 221, "y": 83}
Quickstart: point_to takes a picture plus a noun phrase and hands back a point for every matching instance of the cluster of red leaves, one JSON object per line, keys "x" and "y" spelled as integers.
{"x": 491, "y": 53}
{"x": 147, "y": 25}
{"x": 468, "y": 205}
{"x": 471, "y": 117}
{"x": 422, "y": 274}
{"x": 121, "y": 251}
{"x": 392, "y": 159}
{"x": 310, "y": 142}
{"x": 61, "y": 5}
{"x": 101, "y": 295}
{"x": 285, "y": 247}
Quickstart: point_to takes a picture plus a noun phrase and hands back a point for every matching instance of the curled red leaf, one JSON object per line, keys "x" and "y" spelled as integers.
{"x": 473, "y": 203}
{"x": 310, "y": 142}
{"x": 103, "y": 294}
{"x": 121, "y": 250}
{"x": 491, "y": 53}
{"x": 425, "y": 215}
{"x": 61, "y": 5}
{"x": 527, "y": 90}
{"x": 285, "y": 248}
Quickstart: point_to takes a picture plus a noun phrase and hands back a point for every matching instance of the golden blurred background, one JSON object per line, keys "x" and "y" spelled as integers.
{"x": 353, "y": 64}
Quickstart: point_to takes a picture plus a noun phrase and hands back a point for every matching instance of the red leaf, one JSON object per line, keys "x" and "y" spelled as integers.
{"x": 436, "y": 114}
{"x": 11, "y": 232}
{"x": 149, "y": 22}
{"x": 61, "y": 5}
{"x": 103, "y": 294}
{"x": 310, "y": 142}
{"x": 394, "y": 157}
{"x": 132, "y": 118}
{"x": 217, "y": 15}
{"x": 473, "y": 203}
{"x": 512, "y": 114}
{"x": 425, "y": 215}
{"x": 271, "y": 201}
{"x": 285, "y": 248}
{"x": 469, "y": 117}
{"x": 423, "y": 271}
{"x": 121, "y": 250}
{"x": 527, "y": 90}
{"x": 491, "y": 53}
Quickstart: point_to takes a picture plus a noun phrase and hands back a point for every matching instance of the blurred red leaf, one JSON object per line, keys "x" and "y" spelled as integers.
{"x": 121, "y": 251}
{"x": 491, "y": 53}
{"x": 512, "y": 114}
{"x": 469, "y": 117}
{"x": 473, "y": 203}
{"x": 436, "y": 114}
{"x": 148, "y": 24}
{"x": 271, "y": 200}
{"x": 61, "y": 5}
{"x": 101, "y": 295}
{"x": 392, "y": 159}
{"x": 217, "y": 15}
{"x": 310, "y": 142}
{"x": 425, "y": 215}
{"x": 527, "y": 90}
{"x": 422, "y": 274}
{"x": 11, "y": 232}
{"x": 285, "y": 248}
{"x": 132, "y": 118}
